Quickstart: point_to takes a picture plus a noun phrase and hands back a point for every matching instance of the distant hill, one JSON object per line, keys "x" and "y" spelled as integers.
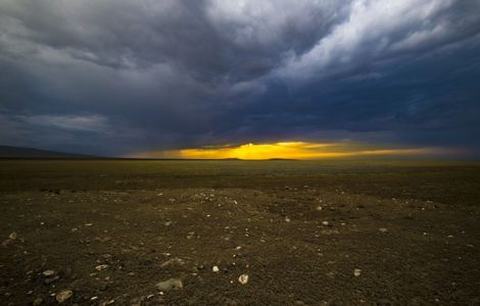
{"x": 21, "y": 152}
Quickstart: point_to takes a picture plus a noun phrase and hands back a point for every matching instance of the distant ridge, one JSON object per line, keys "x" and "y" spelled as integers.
{"x": 10, "y": 152}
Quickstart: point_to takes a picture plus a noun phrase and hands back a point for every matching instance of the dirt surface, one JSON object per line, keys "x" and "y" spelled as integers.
{"x": 239, "y": 233}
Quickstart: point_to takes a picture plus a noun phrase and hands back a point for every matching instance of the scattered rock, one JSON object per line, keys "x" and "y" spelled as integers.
{"x": 383, "y": 230}
{"x": 63, "y": 295}
{"x": 50, "y": 276}
{"x": 172, "y": 283}
{"x": 243, "y": 279}
{"x": 357, "y": 272}
{"x": 109, "y": 302}
{"x": 325, "y": 223}
{"x": 101, "y": 267}
{"x": 173, "y": 262}
{"x": 48, "y": 273}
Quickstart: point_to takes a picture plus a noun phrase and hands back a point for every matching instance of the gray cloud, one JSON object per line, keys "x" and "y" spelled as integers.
{"x": 86, "y": 123}
{"x": 167, "y": 74}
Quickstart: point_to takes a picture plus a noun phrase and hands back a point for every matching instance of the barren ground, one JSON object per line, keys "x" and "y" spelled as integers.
{"x": 305, "y": 233}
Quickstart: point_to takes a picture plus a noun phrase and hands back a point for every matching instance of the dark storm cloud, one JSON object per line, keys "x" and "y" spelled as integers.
{"x": 114, "y": 77}
{"x": 208, "y": 39}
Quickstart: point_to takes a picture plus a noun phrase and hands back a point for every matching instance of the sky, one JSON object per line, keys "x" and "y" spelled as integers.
{"x": 245, "y": 78}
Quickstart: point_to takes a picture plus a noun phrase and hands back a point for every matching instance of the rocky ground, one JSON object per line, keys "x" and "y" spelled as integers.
{"x": 283, "y": 245}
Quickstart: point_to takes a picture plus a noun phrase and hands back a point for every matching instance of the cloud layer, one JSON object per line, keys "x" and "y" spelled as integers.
{"x": 118, "y": 77}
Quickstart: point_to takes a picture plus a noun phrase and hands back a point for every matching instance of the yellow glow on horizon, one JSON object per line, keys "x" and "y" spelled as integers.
{"x": 287, "y": 150}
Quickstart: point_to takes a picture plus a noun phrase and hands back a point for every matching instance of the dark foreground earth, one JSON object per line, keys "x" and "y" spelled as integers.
{"x": 239, "y": 233}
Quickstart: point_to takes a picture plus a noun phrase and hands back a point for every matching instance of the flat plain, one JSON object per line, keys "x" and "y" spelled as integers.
{"x": 126, "y": 232}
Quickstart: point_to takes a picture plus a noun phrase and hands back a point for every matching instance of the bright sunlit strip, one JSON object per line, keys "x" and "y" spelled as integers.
{"x": 287, "y": 150}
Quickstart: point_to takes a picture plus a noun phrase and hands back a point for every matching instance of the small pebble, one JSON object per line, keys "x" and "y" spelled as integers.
{"x": 172, "y": 283}
{"x": 357, "y": 272}
{"x": 63, "y": 295}
{"x": 243, "y": 279}
{"x": 101, "y": 267}
{"x": 48, "y": 273}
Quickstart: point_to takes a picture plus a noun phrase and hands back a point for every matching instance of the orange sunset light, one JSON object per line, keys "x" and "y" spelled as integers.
{"x": 288, "y": 150}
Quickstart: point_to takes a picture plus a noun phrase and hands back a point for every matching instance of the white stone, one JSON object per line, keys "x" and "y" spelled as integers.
{"x": 243, "y": 279}
{"x": 357, "y": 272}
{"x": 48, "y": 273}
{"x": 101, "y": 267}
